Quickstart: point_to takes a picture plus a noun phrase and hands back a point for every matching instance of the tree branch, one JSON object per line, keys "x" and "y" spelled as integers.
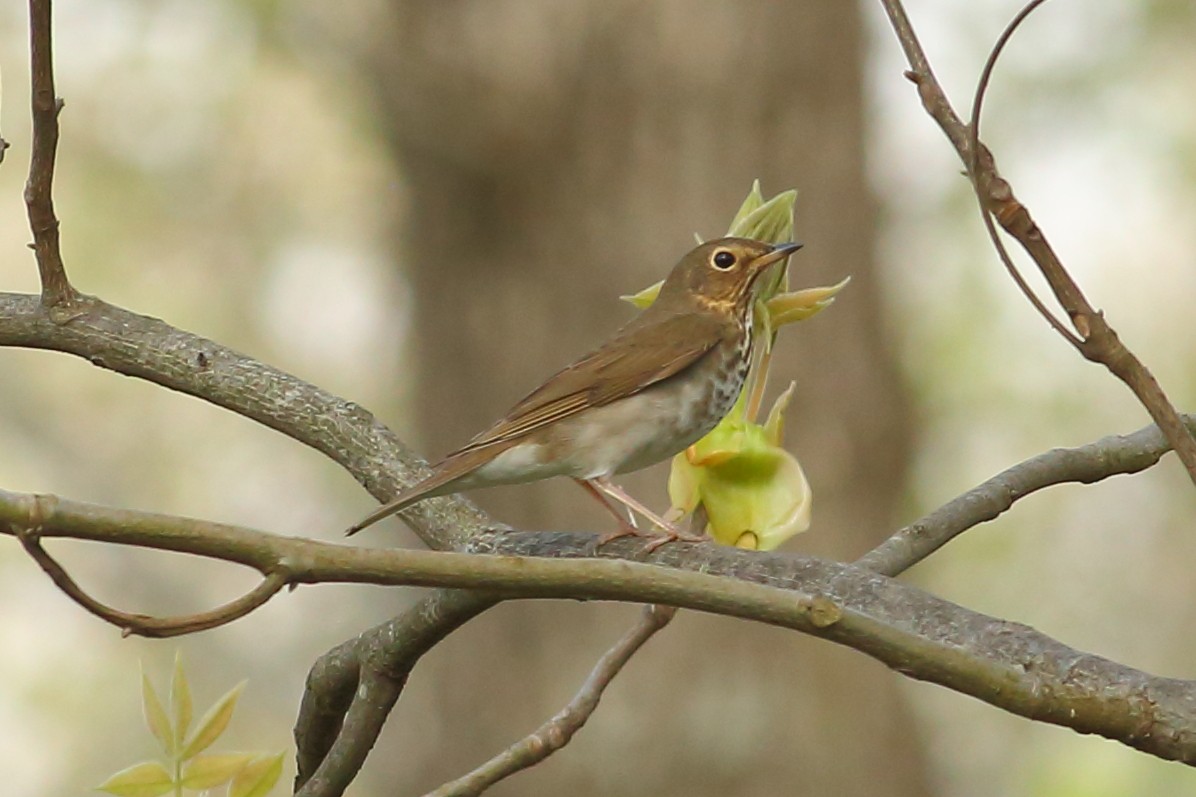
{"x": 1109, "y": 456}
{"x": 150, "y": 349}
{"x": 56, "y": 289}
{"x": 1005, "y": 664}
{"x": 329, "y": 750}
{"x": 556, "y": 732}
{"x": 146, "y": 625}
{"x": 1096, "y": 340}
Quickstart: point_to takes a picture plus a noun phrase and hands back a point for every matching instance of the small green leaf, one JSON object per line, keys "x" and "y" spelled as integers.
{"x": 147, "y": 779}
{"x": 786, "y": 308}
{"x": 208, "y": 771}
{"x": 774, "y": 427}
{"x": 155, "y": 716}
{"x": 213, "y": 723}
{"x": 180, "y": 700}
{"x": 644, "y": 297}
{"x": 257, "y": 778}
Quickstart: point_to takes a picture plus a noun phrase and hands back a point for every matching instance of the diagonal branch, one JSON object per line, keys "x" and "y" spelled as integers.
{"x": 556, "y": 732}
{"x": 1096, "y": 340}
{"x": 56, "y": 290}
{"x": 148, "y": 348}
{"x": 1109, "y": 456}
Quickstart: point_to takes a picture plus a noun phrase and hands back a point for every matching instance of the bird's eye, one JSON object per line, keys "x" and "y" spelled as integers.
{"x": 723, "y": 260}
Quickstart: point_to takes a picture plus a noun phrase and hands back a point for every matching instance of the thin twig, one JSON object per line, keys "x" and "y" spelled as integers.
{"x": 56, "y": 289}
{"x": 1096, "y": 340}
{"x": 148, "y": 625}
{"x": 556, "y": 732}
{"x": 975, "y": 148}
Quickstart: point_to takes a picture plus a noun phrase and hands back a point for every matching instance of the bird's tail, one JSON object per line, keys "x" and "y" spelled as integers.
{"x": 439, "y": 483}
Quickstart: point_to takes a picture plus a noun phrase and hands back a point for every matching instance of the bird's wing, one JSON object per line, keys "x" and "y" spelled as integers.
{"x": 622, "y": 367}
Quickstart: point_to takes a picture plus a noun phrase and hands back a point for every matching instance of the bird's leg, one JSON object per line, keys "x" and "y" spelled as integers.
{"x": 603, "y": 484}
{"x": 627, "y": 525}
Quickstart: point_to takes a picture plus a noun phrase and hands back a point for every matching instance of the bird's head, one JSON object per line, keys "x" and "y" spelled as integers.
{"x": 719, "y": 275}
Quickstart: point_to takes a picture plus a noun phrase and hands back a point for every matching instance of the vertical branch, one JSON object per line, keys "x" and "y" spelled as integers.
{"x": 56, "y": 290}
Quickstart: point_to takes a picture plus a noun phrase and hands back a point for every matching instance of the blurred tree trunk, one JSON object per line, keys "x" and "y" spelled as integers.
{"x": 556, "y": 155}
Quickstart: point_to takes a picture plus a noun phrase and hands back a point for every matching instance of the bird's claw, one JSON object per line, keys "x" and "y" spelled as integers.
{"x": 671, "y": 534}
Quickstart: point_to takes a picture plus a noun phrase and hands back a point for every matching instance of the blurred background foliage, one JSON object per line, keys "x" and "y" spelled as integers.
{"x": 426, "y": 208}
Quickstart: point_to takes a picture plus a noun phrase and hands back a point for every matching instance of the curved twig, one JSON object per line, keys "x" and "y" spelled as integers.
{"x": 144, "y": 624}
{"x": 974, "y": 168}
{"x": 556, "y": 732}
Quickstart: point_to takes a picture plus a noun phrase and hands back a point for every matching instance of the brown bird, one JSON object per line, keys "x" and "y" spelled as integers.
{"x": 659, "y": 385}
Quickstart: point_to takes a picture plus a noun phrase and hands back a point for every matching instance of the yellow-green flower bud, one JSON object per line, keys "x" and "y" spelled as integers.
{"x": 754, "y": 491}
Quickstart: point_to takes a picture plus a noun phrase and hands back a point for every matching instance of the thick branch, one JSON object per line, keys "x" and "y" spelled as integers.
{"x": 1097, "y": 341}
{"x": 1005, "y": 664}
{"x": 151, "y": 349}
{"x": 328, "y": 755}
{"x": 56, "y": 290}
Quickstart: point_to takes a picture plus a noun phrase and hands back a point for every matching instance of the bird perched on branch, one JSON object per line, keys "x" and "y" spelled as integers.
{"x": 660, "y": 384}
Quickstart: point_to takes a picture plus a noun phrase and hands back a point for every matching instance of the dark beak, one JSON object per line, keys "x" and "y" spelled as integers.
{"x": 778, "y": 253}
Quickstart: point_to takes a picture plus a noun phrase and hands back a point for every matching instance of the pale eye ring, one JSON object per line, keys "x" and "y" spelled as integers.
{"x": 723, "y": 260}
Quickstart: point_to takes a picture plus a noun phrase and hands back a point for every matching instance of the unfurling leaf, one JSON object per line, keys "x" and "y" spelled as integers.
{"x": 257, "y": 778}
{"x": 213, "y": 723}
{"x": 208, "y": 771}
{"x": 786, "y": 308}
{"x": 147, "y": 779}
{"x": 180, "y": 699}
{"x": 155, "y": 716}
